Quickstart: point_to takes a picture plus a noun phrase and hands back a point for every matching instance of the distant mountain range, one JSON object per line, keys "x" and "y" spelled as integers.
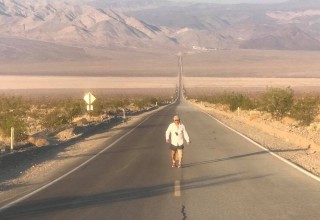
{"x": 76, "y": 24}
{"x": 286, "y": 26}
{"x": 156, "y": 24}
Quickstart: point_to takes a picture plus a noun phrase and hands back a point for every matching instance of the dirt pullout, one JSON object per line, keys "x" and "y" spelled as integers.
{"x": 300, "y": 145}
{"x": 29, "y": 170}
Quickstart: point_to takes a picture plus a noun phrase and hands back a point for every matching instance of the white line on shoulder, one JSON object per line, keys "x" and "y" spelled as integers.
{"x": 262, "y": 147}
{"x": 75, "y": 169}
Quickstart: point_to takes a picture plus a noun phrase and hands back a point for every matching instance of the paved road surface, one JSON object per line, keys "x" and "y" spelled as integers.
{"x": 224, "y": 177}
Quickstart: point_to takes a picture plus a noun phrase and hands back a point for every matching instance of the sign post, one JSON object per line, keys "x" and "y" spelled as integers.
{"x": 89, "y": 99}
{"x": 12, "y": 138}
{"x": 124, "y": 113}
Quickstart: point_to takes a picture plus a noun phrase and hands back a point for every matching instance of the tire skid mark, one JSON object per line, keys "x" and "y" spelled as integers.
{"x": 184, "y": 214}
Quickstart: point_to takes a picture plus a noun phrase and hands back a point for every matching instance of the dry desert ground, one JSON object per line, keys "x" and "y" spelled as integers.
{"x": 205, "y": 72}
{"x": 211, "y": 85}
{"x": 251, "y": 71}
{"x": 73, "y": 82}
{"x": 253, "y": 63}
{"x": 99, "y": 62}
{"x": 108, "y": 72}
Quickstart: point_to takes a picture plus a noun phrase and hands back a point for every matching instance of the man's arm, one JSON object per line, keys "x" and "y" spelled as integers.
{"x": 186, "y": 135}
{"x": 168, "y": 134}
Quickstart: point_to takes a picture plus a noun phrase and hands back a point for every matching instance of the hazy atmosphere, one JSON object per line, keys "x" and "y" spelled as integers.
{"x": 160, "y": 109}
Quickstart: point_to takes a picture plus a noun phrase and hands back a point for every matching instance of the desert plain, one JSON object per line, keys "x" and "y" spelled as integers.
{"x": 203, "y": 71}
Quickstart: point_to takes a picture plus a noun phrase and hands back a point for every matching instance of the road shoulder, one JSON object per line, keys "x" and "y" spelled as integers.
{"x": 299, "y": 150}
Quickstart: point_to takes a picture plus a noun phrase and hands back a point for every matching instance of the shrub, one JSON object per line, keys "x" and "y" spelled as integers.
{"x": 12, "y": 112}
{"x": 233, "y": 100}
{"x": 238, "y": 100}
{"x": 305, "y": 110}
{"x": 55, "y": 119}
{"x": 73, "y": 109}
{"x": 9, "y": 120}
{"x": 52, "y": 113}
{"x": 277, "y": 101}
{"x": 153, "y": 101}
{"x": 118, "y": 103}
{"x": 99, "y": 107}
{"x": 140, "y": 103}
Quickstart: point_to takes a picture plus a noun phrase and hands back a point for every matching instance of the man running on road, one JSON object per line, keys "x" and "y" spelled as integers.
{"x": 177, "y": 132}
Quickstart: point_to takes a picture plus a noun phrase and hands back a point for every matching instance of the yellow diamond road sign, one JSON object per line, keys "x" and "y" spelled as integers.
{"x": 89, "y": 98}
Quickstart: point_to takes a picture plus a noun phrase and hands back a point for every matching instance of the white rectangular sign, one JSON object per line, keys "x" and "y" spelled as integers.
{"x": 89, "y": 107}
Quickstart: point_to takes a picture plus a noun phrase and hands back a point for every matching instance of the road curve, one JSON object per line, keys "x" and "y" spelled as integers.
{"x": 224, "y": 177}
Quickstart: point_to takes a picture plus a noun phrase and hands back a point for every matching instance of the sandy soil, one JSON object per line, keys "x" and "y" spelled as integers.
{"x": 101, "y": 63}
{"x": 37, "y": 167}
{"x": 300, "y": 145}
{"x": 253, "y": 63}
{"x": 210, "y": 85}
{"x": 58, "y": 82}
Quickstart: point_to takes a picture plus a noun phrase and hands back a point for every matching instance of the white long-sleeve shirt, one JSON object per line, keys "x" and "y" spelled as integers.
{"x": 177, "y": 134}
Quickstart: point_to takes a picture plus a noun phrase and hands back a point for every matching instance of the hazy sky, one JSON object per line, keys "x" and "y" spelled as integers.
{"x": 234, "y": 1}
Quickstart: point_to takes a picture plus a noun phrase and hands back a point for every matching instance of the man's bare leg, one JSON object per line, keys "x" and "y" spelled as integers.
{"x": 173, "y": 157}
{"x": 180, "y": 157}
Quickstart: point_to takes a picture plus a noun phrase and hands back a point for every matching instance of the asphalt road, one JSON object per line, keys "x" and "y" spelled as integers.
{"x": 224, "y": 177}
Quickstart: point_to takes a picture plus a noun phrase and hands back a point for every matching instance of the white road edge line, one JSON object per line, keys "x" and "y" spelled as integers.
{"x": 262, "y": 147}
{"x": 177, "y": 190}
{"x": 76, "y": 168}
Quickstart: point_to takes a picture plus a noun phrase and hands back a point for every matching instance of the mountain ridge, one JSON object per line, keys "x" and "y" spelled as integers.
{"x": 66, "y": 23}
{"x": 159, "y": 25}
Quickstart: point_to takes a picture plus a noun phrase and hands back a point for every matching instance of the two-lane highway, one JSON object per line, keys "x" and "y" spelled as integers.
{"x": 224, "y": 176}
